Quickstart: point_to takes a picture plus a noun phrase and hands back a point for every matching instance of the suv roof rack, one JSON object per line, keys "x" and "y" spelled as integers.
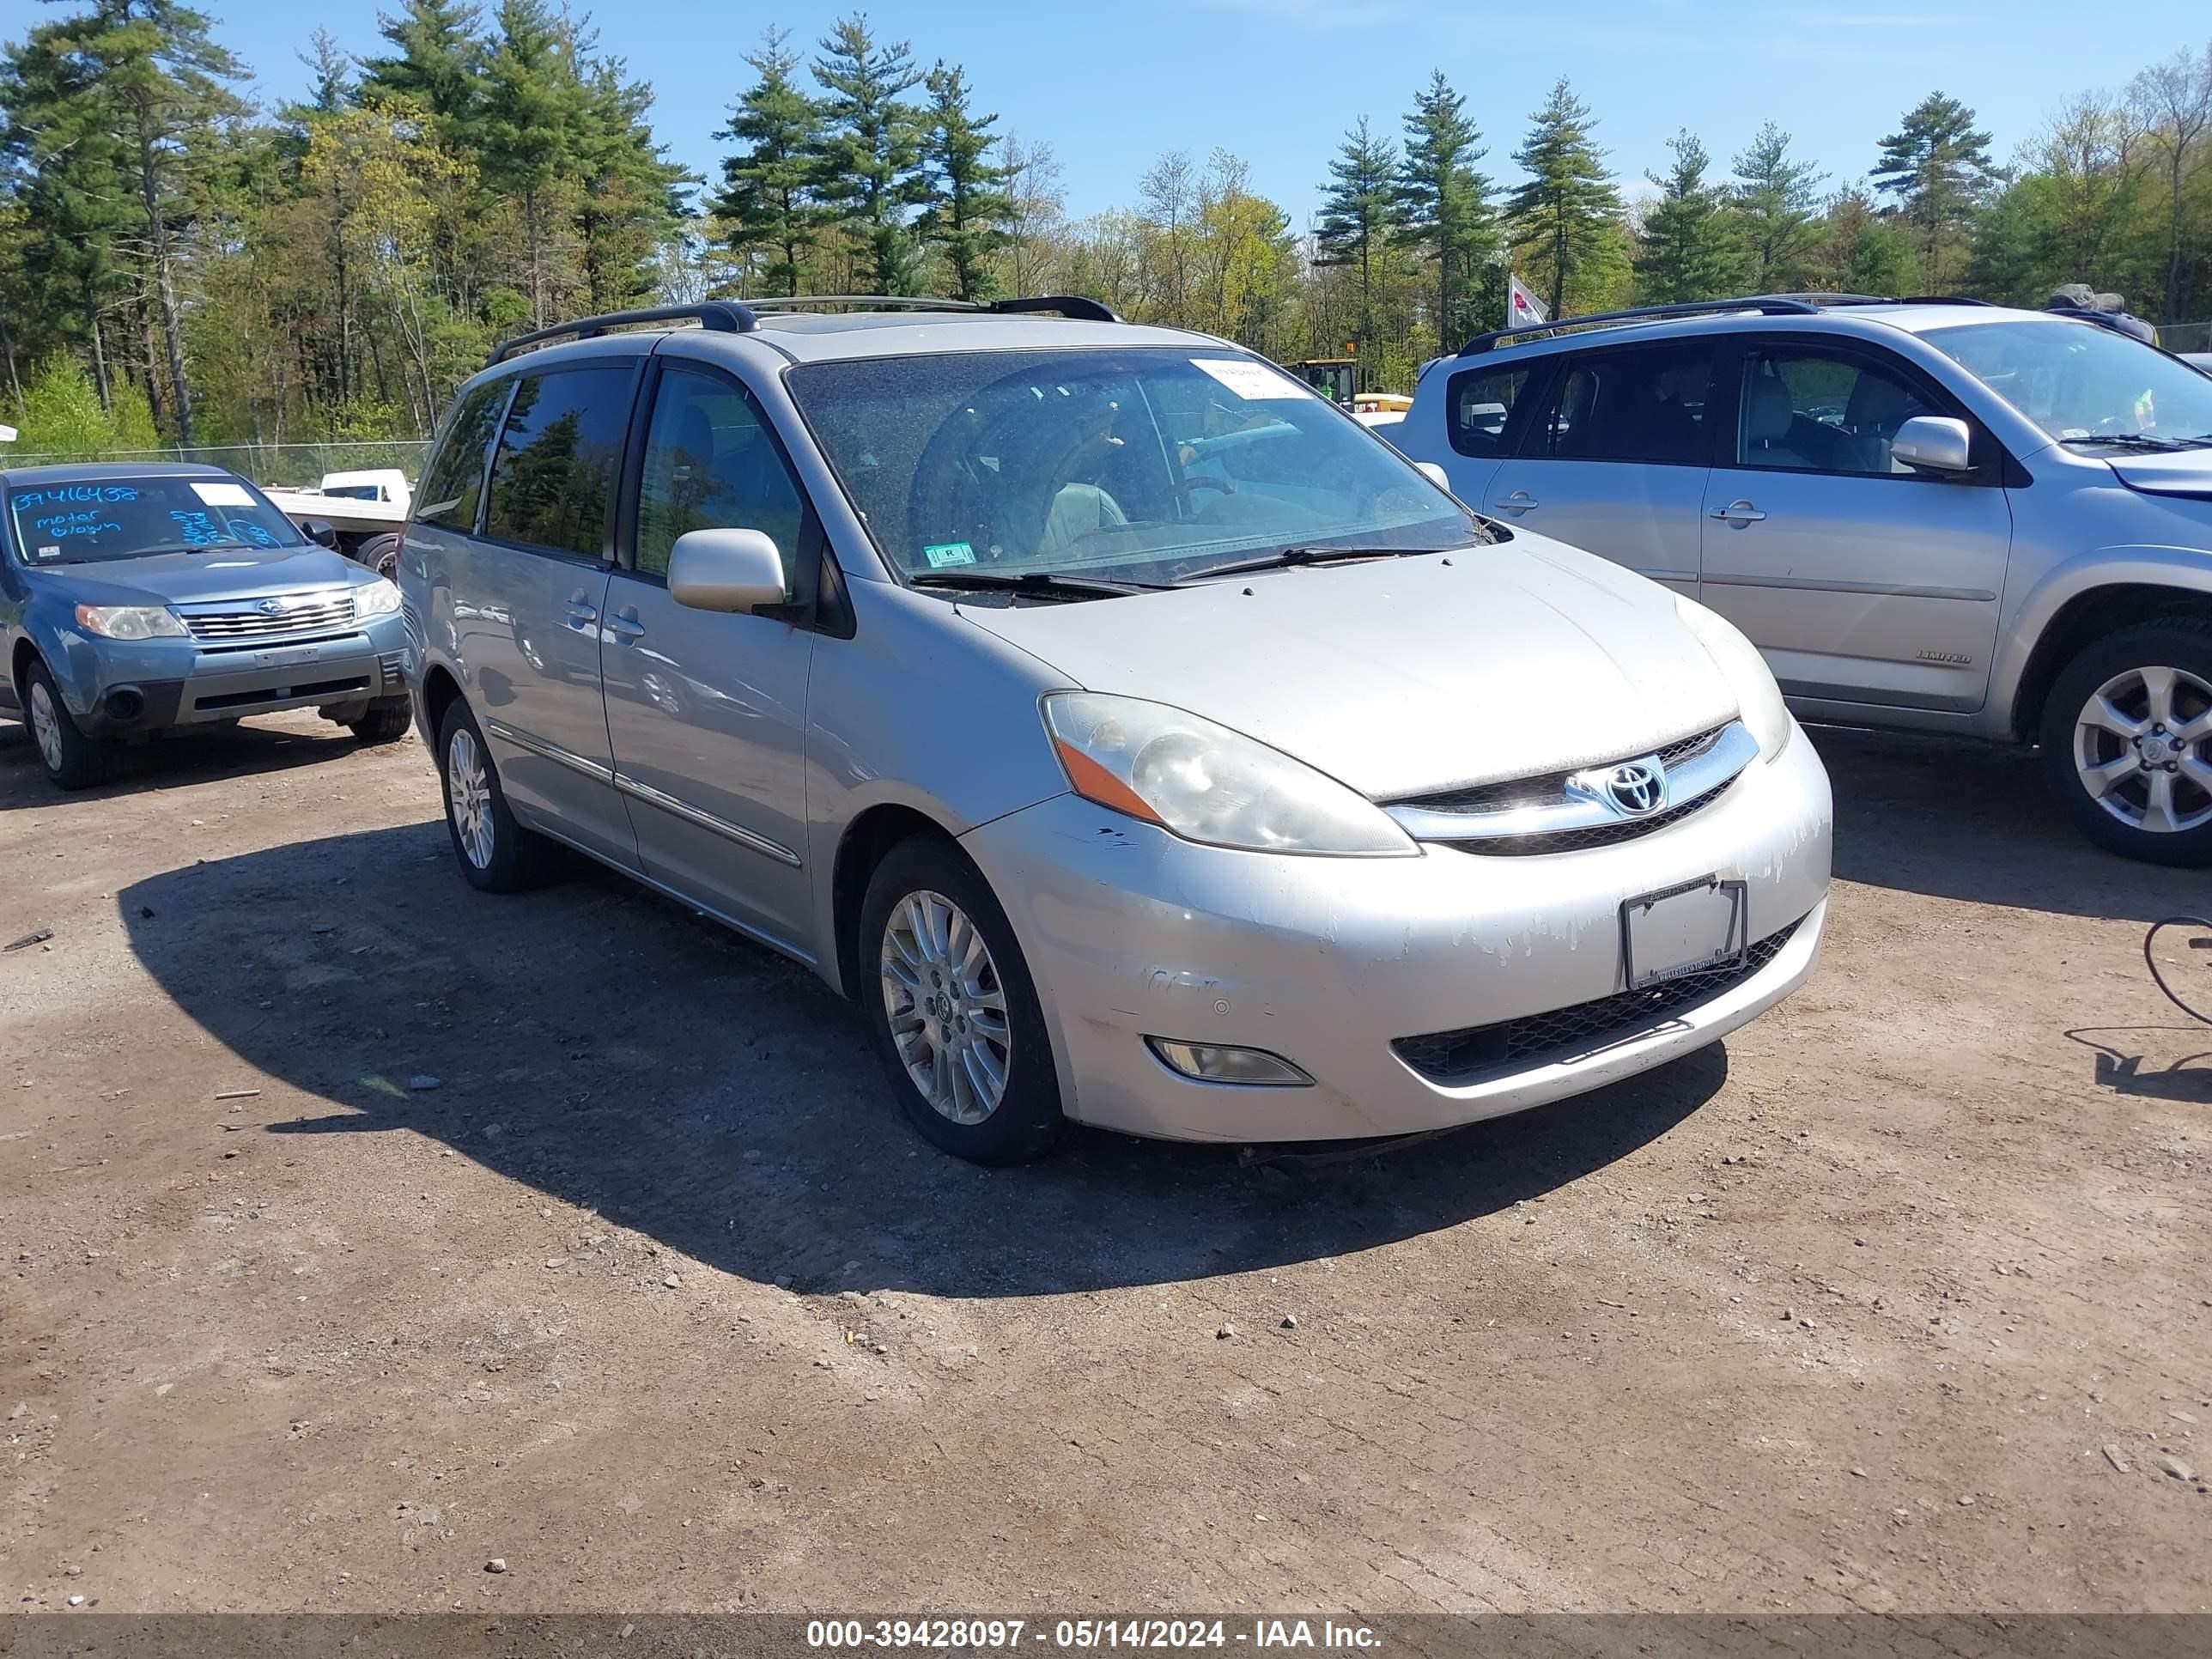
{"x": 1772, "y": 305}
{"x": 718, "y": 316}
{"x": 1077, "y": 306}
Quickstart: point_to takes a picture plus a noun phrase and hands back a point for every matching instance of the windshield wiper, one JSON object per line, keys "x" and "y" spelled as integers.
{"x": 1044, "y": 583}
{"x": 195, "y": 547}
{"x": 1291, "y": 557}
{"x": 2131, "y": 441}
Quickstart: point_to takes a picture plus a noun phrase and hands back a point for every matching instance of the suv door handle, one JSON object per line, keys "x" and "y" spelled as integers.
{"x": 1519, "y": 501}
{"x": 624, "y": 622}
{"x": 1739, "y": 512}
{"x": 581, "y": 608}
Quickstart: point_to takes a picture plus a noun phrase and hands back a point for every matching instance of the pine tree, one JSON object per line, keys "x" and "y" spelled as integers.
{"x": 1565, "y": 216}
{"x": 870, "y": 157}
{"x": 967, "y": 205}
{"x": 532, "y": 129}
{"x": 1936, "y": 168}
{"x": 437, "y": 65}
{"x": 1690, "y": 248}
{"x": 1444, "y": 203}
{"x": 1775, "y": 200}
{"x": 1360, "y": 214}
{"x": 630, "y": 197}
{"x": 767, "y": 202}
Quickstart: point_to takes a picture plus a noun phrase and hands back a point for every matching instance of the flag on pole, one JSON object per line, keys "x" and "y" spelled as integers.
{"x": 1522, "y": 308}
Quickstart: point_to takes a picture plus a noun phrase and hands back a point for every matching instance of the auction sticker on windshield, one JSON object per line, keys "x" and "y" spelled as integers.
{"x": 941, "y": 554}
{"x": 1253, "y": 382}
{"x": 222, "y": 495}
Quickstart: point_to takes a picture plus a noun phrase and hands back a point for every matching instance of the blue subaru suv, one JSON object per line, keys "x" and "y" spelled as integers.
{"x": 136, "y": 599}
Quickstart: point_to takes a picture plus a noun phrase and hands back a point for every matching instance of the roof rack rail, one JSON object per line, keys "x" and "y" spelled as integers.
{"x": 718, "y": 316}
{"x": 1076, "y": 306}
{"x": 1768, "y": 305}
{"x": 1941, "y": 300}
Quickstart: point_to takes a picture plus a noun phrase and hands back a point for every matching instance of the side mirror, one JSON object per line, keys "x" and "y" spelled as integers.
{"x": 728, "y": 570}
{"x": 1938, "y": 443}
{"x": 1435, "y": 474}
{"x": 322, "y": 531}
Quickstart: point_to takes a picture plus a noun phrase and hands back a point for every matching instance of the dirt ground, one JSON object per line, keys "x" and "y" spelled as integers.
{"x": 1899, "y": 1300}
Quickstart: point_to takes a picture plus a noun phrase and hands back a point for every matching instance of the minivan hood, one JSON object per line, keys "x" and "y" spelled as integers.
{"x": 192, "y": 578}
{"x": 2179, "y": 472}
{"x": 1406, "y": 676}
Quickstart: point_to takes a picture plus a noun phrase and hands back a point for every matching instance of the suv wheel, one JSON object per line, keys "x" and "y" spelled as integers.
{"x": 497, "y": 855}
{"x": 381, "y": 555}
{"x": 2127, "y": 742}
{"x": 384, "y": 722}
{"x": 952, "y": 1009}
{"x": 72, "y": 760}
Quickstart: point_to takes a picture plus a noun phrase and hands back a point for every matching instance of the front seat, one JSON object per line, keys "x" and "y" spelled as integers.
{"x": 1767, "y": 417}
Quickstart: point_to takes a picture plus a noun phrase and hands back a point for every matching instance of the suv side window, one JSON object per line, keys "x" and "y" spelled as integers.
{"x": 1811, "y": 409}
{"x": 453, "y": 481}
{"x": 1646, "y": 404}
{"x": 1479, "y": 406}
{"x": 553, "y": 479}
{"x": 711, "y": 464}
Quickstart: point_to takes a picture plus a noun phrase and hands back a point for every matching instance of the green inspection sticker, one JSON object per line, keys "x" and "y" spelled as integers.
{"x": 944, "y": 553}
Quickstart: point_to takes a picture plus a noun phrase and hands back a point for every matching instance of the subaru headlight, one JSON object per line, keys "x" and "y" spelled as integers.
{"x": 130, "y": 622}
{"x": 376, "y": 599}
{"x": 1206, "y": 783}
{"x": 1758, "y": 699}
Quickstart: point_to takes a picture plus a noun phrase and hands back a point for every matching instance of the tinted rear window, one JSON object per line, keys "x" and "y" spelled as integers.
{"x": 553, "y": 479}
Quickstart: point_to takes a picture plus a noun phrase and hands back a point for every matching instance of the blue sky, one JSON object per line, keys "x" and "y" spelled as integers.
{"x": 1110, "y": 86}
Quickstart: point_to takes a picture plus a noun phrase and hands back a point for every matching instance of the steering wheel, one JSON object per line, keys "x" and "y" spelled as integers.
{"x": 1191, "y": 481}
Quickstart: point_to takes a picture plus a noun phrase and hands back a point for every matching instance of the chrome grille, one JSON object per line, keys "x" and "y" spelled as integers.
{"x": 1546, "y": 788}
{"x": 326, "y": 611}
{"x": 1457, "y": 1058}
{"x": 1598, "y": 835}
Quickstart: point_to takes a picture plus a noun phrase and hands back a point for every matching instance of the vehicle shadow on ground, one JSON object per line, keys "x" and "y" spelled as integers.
{"x": 610, "y": 1048}
{"x": 207, "y": 756}
{"x": 1962, "y": 820}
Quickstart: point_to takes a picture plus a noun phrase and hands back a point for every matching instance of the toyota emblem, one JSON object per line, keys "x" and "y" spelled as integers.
{"x": 1636, "y": 787}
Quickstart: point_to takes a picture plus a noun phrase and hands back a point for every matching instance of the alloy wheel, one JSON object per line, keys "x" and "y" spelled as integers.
{"x": 468, "y": 786}
{"x": 47, "y": 725}
{"x": 947, "y": 1007}
{"x": 2140, "y": 746}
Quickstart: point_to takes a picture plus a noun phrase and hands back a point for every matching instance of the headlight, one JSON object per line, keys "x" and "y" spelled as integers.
{"x": 376, "y": 599}
{"x": 1759, "y": 700}
{"x": 1207, "y": 783}
{"x": 130, "y": 622}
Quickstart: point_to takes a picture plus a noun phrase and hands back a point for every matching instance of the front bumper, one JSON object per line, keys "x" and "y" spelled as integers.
{"x": 117, "y": 688}
{"x": 1131, "y": 933}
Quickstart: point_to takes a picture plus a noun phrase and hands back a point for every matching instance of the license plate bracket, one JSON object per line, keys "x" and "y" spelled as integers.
{"x": 1690, "y": 928}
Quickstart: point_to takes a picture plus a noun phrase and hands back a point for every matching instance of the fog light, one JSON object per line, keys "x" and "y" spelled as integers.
{"x": 1211, "y": 1062}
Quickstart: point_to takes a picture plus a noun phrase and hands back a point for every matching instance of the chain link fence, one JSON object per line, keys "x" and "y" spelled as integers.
{"x": 273, "y": 466}
{"x": 2185, "y": 337}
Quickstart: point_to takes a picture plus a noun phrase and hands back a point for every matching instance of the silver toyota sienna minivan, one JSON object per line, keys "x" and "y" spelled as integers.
{"x": 1135, "y": 737}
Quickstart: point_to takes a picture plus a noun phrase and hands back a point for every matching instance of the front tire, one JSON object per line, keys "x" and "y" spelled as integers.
{"x": 72, "y": 760}
{"x": 2127, "y": 742}
{"x": 952, "y": 1009}
{"x": 381, "y": 555}
{"x": 497, "y": 854}
{"x": 384, "y": 722}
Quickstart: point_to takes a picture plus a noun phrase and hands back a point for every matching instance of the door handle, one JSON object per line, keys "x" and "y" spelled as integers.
{"x": 624, "y": 622}
{"x": 1519, "y": 501}
{"x": 1740, "y": 513}
{"x": 581, "y": 608}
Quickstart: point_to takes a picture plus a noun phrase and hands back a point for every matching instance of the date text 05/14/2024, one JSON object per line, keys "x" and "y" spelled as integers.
{"x": 1086, "y": 1634}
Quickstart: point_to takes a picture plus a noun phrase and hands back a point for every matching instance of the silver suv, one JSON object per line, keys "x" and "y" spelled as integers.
{"x": 1133, "y": 735}
{"x": 1935, "y": 515}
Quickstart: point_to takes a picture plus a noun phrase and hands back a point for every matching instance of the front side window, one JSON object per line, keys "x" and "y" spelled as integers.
{"x": 1820, "y": 411}
{"x": 1647, "y": 404}
{"x": 101, "y": 518}
{"x": 1480, "y": 403}
{"x": 1142, "y": 463}
{"x": 455, "y": 479}
{"x": 2084, "y": 384}
{"x": 553, "y": 478}
{"x": 711, "y": 464}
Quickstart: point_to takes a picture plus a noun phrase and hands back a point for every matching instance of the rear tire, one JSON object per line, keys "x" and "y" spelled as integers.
{"x": 72, "y": 760}
{"x": 2127, "y": 742}
{"x": 381, "y": 555}
{"x": 497, "y": 854}
{"x": 950, "y": 1004}
{"x": 385, "y": 722}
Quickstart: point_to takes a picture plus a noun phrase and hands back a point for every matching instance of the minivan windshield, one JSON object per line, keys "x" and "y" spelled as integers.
{"x": 101, "y": 518}
{"x": 1144, "y": 466}
{"x": 2084, "y": 384}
